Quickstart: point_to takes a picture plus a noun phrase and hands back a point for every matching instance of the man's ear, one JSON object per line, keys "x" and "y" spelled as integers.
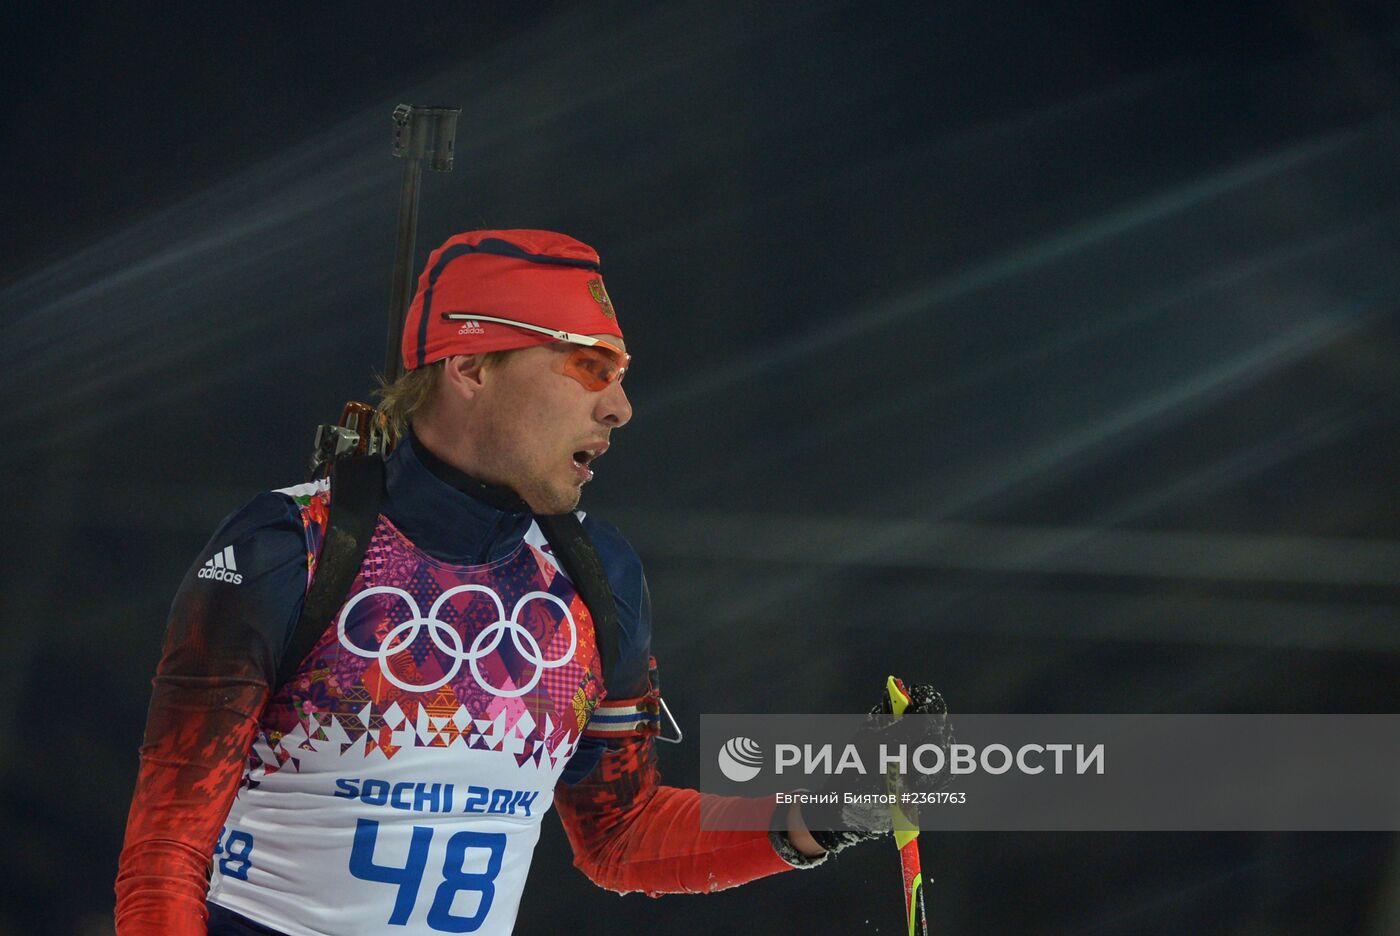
{"x": 464, "y": 374}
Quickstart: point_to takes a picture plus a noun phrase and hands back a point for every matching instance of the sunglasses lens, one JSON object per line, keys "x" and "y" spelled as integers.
{"x": 595, "y": 367}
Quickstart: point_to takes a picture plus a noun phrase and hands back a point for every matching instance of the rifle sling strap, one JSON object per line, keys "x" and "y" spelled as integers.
{"x": 576, "y": 554}
{"x": 357, "y": 483}
{"x": 357, "y": 486}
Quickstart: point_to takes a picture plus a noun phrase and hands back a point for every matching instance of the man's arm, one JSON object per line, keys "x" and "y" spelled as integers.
{"x": 222, "y": 647}
{"x": 630, "y": 833}
{"x": 198, "y": 730}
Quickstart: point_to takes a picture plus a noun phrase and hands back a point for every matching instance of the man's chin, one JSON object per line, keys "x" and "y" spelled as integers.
{"x": 556, "y": 501}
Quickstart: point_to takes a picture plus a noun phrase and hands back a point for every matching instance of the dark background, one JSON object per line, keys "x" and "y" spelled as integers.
{"x": 1045, "y": 352}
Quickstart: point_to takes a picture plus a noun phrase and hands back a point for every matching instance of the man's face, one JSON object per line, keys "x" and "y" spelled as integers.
{"x": 541, "y": 429}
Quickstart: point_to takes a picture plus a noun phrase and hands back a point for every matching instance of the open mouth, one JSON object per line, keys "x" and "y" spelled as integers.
{"x": 583, "y": 459}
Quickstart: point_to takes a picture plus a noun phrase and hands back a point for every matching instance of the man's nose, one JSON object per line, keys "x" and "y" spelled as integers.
{"x": 614, "y": 409}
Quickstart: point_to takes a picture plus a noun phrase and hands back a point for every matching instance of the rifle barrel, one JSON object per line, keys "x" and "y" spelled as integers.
{"x": 420, "y": 133}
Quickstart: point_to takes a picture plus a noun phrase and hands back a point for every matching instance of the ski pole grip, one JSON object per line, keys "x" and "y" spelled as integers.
{"x": 898, "y": 696}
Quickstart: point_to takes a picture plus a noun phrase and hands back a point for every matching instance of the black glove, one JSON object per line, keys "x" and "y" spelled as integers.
{"x": 861, "y": 822}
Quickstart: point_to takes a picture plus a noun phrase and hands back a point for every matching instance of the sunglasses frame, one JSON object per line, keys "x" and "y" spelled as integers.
{"x": 557, "y": 334}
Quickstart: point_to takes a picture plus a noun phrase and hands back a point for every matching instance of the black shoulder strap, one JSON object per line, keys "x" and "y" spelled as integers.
{"x": 576, "y": 554}
{"x": 357, "y": 490}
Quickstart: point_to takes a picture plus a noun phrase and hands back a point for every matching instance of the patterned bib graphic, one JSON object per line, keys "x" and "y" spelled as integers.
{"x": 425, "y": 654}
{"x": 398, "y": 781}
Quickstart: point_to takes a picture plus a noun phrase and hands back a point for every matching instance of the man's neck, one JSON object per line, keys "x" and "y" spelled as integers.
{"x": 498, "y": 496}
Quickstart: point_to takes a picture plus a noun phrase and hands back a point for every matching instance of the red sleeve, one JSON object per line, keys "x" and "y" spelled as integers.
{"x": 197, "y": 735}
{"x": 210, "y": 688}
{"x": 629, "y": 833}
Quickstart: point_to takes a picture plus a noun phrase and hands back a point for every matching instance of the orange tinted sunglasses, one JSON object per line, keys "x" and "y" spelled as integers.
{"x": 594, "y": 363}
{"x": 596, "y": 366}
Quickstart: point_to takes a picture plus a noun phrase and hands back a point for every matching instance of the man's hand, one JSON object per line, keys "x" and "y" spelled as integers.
{"x": 861, "y": 822}
{"x": 799, "y": 835}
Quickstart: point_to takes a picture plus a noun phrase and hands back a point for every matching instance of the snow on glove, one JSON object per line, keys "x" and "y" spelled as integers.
{"x": 864, "y": 821}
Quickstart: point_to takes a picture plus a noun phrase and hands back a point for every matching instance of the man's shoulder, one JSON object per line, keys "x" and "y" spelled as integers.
{"x": 267, "y": 530}
{"x": 614, "y": 551}
{"x": 623, "y": 567}
{"x": 245, "y": 587}
{"x": 271, "y": 511}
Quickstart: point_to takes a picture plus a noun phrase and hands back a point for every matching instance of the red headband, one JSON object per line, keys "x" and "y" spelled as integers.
{"x": 537, "y": 277}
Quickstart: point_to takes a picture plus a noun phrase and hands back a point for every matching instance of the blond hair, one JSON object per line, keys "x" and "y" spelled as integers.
{"x": 411, "y": 393}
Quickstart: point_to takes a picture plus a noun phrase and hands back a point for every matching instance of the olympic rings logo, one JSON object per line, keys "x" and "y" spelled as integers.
{"x": 449, "y": 642}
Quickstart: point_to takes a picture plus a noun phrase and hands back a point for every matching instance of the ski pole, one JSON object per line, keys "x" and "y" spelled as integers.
{"x": 906, "y": 831}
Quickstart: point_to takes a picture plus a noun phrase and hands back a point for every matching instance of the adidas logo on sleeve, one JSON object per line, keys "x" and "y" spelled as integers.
{"x": 222, "y": 568}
